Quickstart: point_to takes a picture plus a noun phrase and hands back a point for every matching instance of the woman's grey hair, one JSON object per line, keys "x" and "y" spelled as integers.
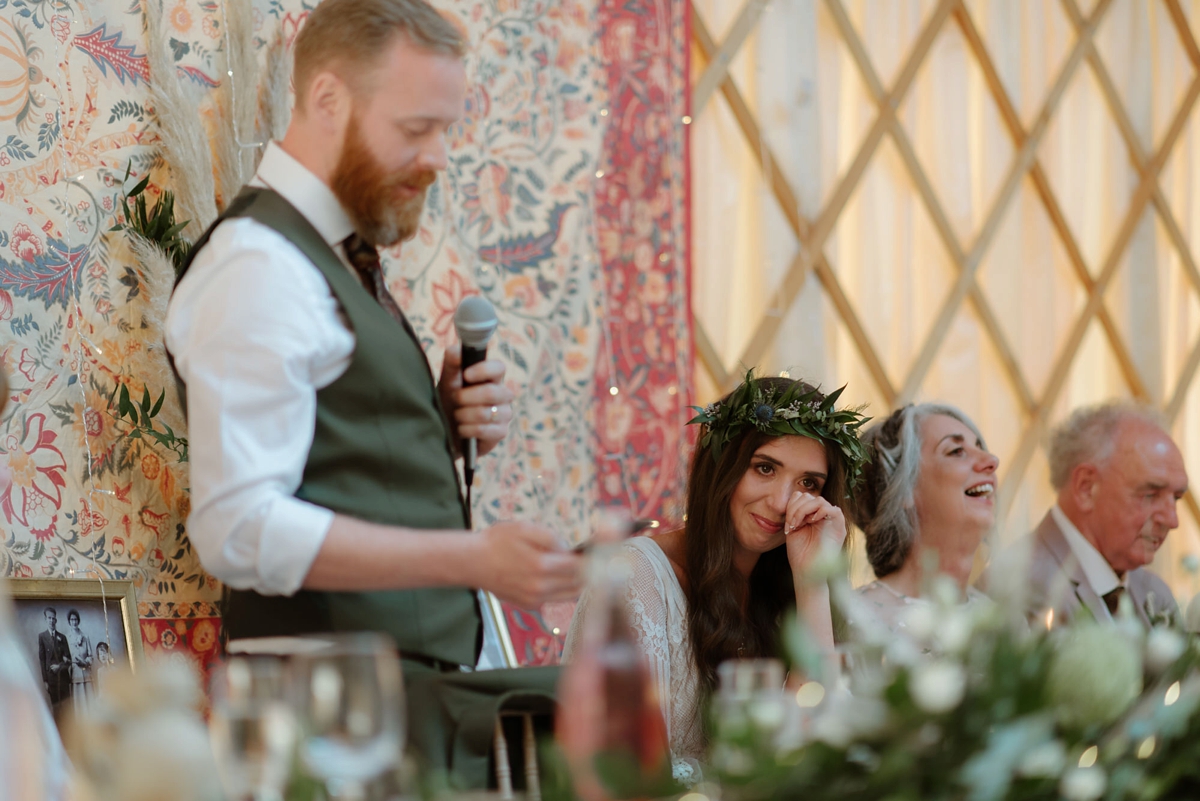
{"x": 1089, "y": 435}
{"x": 884, "y": 505}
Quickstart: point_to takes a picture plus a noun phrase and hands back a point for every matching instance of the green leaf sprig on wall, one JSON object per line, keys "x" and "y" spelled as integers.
{"x": 141, "y": 415}
{"x": 155, "y": 223}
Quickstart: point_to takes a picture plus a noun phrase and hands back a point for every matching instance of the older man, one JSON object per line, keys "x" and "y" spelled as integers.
{"x": 1119, "y": 477}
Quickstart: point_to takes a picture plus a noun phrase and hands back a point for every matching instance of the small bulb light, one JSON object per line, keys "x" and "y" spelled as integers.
{"x": 809, "y": 695}
{"x": 1146, "y": 749}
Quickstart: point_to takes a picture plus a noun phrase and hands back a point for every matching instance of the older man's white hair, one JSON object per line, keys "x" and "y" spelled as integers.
{"x": 1089, "y": 435}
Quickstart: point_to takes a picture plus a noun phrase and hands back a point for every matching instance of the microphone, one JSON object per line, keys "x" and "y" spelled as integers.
{"x": 475, "y": 320}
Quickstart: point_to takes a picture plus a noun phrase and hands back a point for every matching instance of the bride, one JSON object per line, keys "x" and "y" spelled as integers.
{"x": 81, "y": 662}
{"x": 774, "y": 461}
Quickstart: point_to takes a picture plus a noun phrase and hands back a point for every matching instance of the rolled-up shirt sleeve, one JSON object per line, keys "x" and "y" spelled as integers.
{"x": 255, "y": 331}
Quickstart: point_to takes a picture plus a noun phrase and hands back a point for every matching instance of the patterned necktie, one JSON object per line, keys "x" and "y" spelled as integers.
{"x": 364, "y": 257}
{"x": 365, "y": 260}
{"x": 1112, "y": 600}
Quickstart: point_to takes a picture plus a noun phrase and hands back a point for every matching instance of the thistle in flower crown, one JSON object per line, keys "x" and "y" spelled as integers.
{"x": 783, "y": 413}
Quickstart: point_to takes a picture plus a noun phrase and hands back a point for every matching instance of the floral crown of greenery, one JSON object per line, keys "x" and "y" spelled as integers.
{"x": 792, "y": 411}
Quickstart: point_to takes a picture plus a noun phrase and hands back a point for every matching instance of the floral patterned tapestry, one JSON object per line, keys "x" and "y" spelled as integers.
{"x": 564, "y": 204}
{"x": 642, "y": 378}
{"x": 643, "y": 375}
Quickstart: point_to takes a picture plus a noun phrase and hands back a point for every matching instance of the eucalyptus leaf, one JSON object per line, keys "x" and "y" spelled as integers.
{"x": 158, "y": 404}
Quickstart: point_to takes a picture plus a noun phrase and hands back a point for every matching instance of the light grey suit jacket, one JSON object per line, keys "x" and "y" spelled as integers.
{"x": 1057, "y": 581}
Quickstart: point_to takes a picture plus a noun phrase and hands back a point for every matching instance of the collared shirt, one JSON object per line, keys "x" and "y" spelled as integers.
{"x": 1095, "y": 567}
{"x": 255, "y": 331}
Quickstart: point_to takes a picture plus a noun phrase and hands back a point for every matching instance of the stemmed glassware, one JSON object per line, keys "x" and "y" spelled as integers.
{"x": 252, "y": 727}
{"x": 347, "y": 692}
{"x": 751, "y": 694}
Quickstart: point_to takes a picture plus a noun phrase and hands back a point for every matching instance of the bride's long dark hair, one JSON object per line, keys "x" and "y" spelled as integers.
{"x": 718, "y": 626}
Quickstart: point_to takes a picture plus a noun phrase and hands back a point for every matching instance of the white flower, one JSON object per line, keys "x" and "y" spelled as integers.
{"x": 1044, "y": 761}
{"x": 737, "y": 761}
{"x": 767, "y": 712}
{"x": 903, "y": 652}
{"x": 928, "y": 736}
{"x": 1129, "y": 624}
{"x": 1083, "y": 784}
{"x": 867, "y": 716}
{"x": 142, "y": 735}
{"x": 1163, "y": 647}
{"x": 945, "y": 591}
{"x": 954, "y": 634}
{"x": 846, "y": 718}
{"x": 833, "y": 730}
{"x": 1094, "y": 676}
{"x": 1192, "y": 616}
{"x": 938, "y": 686}
{"x": 921, "y": 620}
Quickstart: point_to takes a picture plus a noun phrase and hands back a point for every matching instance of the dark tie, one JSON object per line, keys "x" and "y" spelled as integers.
{"x": 364, "y": 257}
{"x": 1112, "y": 600}
{"x": 365, "y": 260}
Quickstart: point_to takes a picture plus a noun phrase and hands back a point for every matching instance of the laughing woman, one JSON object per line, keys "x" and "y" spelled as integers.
{"x": 774, "y": 462}
{"x": 929, "y": 489}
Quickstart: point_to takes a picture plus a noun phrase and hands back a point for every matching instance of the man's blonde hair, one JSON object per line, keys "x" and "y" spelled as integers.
{"x": 349, "y": 36}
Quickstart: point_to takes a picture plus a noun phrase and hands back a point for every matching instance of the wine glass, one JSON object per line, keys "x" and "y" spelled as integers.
{"x": 349, "y": 695}
{"x": 252, "y": 727}
{"x": 750, "y": 695}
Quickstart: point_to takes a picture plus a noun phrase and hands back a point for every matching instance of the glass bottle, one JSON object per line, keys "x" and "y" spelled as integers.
{"x": 610, "y": 724}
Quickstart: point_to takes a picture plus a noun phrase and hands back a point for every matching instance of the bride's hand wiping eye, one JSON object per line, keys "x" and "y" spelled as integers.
{"x": 811, "y": 520}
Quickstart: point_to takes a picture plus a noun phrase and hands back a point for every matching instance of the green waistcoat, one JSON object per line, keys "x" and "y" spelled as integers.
{"x": 381, "y": 453}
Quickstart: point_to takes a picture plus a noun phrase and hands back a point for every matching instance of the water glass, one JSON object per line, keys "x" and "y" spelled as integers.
{"x": 252, "y": 727}
{"x": 750, "y": 696}
{"x": 349, "y": 696}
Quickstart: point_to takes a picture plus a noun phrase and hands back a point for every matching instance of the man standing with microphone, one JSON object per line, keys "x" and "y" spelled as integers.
{"x": 324, "y": 489}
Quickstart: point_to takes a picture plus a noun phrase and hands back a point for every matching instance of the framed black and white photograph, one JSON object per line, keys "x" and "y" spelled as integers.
{"x": 76, "y": 631}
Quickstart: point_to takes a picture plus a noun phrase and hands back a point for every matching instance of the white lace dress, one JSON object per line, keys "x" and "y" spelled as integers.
{"x": 658, "y": 614}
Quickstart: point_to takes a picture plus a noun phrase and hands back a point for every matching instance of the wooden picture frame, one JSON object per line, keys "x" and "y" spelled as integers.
{"x": 107, "y": 624}
{"x": 498, "y": 650}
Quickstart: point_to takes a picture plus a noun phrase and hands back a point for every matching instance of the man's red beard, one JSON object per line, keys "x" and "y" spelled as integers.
{"x": 373, "y": 199}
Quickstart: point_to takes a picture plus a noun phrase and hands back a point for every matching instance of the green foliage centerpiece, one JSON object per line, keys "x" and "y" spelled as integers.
{"x": 965, "y": 702}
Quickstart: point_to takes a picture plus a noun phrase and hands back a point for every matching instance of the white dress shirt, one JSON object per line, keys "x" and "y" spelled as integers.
{"x": 1095, "y": 567}
{"x": 255, "y": 331}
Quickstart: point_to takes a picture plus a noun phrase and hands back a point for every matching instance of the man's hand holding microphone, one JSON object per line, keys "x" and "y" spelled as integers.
{"x": 522, "y": 563}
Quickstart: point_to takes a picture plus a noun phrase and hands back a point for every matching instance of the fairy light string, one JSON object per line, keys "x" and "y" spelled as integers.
{"x": 233, "y": 83}
{"x": 76, "y": 178}
{"x": 670, "y": 255}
